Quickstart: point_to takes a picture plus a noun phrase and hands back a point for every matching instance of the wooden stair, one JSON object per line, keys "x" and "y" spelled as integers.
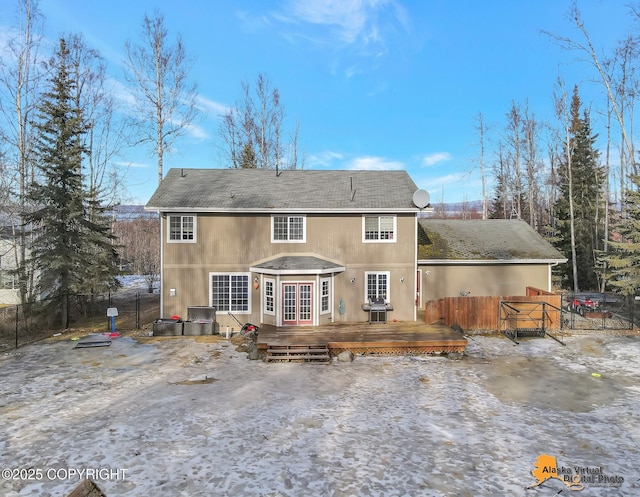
{"x": 306, "y": 353}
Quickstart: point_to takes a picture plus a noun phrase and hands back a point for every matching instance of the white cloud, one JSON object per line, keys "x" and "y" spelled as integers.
{"x": 446, "y": 179}
{"x": 211, "y": 107}
{"x": 374, "y": 164}
{"x": 123, "y": 95}
{"x": 324, "y": 159}
{"x": 197, "y": 132}
{"x": 361, "y": 22}
{"x": 136, "y": 165}
{"x": 431, "y": 159}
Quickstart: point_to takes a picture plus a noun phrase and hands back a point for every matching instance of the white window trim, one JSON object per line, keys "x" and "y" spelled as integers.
{"x": 366, "y": 293}
{"x": 304, "y": 228}
{"x": 329, "y": 306}
{"x": 181, "y": 216}
{"x": 395, "y": 228}
{"x": 273, "y": 296}
{"x": 248, "y": 275}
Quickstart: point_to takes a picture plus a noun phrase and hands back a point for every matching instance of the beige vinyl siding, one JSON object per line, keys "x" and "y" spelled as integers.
{"x": 232, "y": 243}
{"x": 247, "y": 239}
{"x": 481, "y": 280}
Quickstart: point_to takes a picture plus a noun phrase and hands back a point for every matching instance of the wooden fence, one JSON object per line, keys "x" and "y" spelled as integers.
{"x": 482, "y": 313}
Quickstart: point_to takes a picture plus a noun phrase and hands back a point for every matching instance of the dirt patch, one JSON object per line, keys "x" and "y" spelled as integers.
{"x": 202, "y": 381}
{"x": 539, "y": 382}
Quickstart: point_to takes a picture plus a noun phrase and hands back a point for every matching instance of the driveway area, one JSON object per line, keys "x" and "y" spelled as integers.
{"x": 194, "y": 417}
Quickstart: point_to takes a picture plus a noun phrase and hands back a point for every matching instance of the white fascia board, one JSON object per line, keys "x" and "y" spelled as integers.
{"x": 285, "y": 272}
{"x": 281, "y": 211}
{"x": 485, "y": 262}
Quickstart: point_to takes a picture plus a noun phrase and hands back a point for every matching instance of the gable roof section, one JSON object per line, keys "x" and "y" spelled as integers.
{"x": 260, "y": 190}
{"x": 488, "y": 241}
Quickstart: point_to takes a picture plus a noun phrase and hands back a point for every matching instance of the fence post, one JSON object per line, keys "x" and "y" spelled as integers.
{"x": 17, "y": 312}
{"x": 137, "y": 310}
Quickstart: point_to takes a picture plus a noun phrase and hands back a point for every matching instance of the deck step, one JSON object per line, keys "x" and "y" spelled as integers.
{"x": 310, "y": 353}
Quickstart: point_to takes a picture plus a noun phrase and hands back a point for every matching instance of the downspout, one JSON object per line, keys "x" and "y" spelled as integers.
{"x": 549, "y": 278}
{"x": 162, "y": 222}
{"x": 332, "y": 297}
{"x": 415, "y": 270}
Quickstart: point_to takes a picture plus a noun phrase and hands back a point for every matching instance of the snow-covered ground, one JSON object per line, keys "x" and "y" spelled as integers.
{"x": 186, "y": 417}
{"x": 135, "y": 283}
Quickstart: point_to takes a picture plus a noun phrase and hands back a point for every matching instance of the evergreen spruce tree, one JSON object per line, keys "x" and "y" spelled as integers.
{"x": 586, "y": 177}
{"x": 623, "y": 262}
{"x": 73, "y": 247}
{"x": 248, "y": 157}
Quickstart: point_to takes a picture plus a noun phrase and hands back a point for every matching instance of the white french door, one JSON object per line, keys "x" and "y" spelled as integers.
{"x": 297, "y": 303}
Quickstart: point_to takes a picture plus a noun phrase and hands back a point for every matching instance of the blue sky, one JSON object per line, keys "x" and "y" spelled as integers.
{"x": 374, "y": 84}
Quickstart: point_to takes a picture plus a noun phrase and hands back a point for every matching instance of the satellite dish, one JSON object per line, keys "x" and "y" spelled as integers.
{"x": 421, "y": 198}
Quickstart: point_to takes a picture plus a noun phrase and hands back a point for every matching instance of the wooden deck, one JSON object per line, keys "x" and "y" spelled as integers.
{"x": 363, "y": 338}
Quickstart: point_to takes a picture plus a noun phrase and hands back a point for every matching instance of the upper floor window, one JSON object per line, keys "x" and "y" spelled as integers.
{"x": 181, "y": 228}
{"x": 288, "y": 229}
{"x": 379, "y": 229}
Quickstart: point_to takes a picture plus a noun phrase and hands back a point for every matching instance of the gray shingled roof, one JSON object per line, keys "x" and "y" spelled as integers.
{"x": 492, "y": 239}
{"x": 300, "y": 190}
{"x": 298, "y": 263}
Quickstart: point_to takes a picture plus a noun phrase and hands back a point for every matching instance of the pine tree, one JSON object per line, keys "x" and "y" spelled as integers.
{"x": 584, "y": 184}
{"x": 72, "y": 246}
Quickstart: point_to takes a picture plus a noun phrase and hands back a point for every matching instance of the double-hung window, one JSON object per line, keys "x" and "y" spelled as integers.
{"x": 377, "y": 285}
{"x": 325, "y": 295}
{"x": 230, "y": 292}
{"x": 181, "y": 228}
{"x": 291, "y": 229}
{"x": 269, "y": 296}
{"x": 379, "y": 229}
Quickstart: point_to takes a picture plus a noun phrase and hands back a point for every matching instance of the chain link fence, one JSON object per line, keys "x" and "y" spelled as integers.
{"x": 600, "y": 311}
{"x": 22, "y": 324}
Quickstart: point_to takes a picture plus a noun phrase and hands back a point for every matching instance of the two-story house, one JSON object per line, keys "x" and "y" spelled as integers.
{"x": 301, "y": 247}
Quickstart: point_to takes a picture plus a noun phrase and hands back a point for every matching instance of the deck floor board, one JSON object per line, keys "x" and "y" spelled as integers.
{"x": 392, "y": 336}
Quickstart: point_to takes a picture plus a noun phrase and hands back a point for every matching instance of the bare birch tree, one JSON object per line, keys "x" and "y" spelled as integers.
{"x": 513, "y": 139}
{"x": 254, "y": 128}
{"x": 587, "y": 48}
{"x": 20, "y": 80}
{"x": 165, "y": 104}
{"x": 481, "y": 129}
{"x": 530, "y": 129}
{"x": 105, "y": 136}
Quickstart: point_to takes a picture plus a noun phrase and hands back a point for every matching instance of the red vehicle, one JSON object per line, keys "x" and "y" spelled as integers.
{"x": 583, "y": 304}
